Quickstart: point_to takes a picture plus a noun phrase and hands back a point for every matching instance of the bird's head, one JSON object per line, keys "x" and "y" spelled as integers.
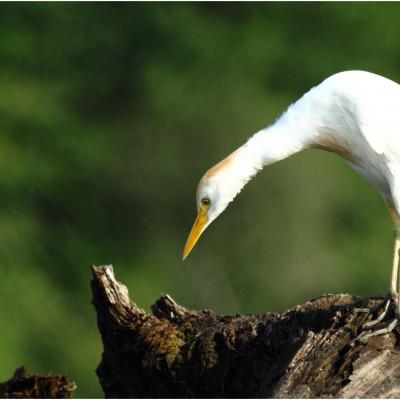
{"x": 210, "y": 202}
{"x": 216, "y": 189}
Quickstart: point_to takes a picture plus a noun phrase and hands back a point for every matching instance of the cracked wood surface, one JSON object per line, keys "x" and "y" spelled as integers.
{"x": 308, "y": 351}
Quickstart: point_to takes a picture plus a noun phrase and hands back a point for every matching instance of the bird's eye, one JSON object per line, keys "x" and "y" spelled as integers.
{"x": 205, "y": 201}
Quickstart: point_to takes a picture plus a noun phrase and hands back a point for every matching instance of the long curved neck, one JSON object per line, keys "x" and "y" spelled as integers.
{"x": 271, "y": 145}
{"x": 291, "y": 133}
{"x": 294, "y": 131}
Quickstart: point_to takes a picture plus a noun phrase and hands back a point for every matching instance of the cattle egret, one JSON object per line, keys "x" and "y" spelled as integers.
{"x": 354, "y": 114}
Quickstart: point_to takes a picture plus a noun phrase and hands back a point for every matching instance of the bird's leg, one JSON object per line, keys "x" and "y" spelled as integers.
{"x": 393, "y": 293}
{"x": 394, "y": 282}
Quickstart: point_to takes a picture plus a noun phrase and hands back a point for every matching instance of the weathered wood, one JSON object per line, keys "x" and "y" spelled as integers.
{"x": 308, "y": 351}
{"x": 25, "y": 386}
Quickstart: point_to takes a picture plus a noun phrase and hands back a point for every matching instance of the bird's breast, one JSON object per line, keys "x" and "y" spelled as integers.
{"x": 337, "y": 146}
{"x": 360, "y": 156}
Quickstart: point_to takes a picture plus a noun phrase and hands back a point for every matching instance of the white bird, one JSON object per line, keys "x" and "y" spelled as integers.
{"x": 354, "y": 114}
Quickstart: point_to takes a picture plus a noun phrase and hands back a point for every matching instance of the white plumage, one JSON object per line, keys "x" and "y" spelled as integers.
{"x": 355, "y": 114}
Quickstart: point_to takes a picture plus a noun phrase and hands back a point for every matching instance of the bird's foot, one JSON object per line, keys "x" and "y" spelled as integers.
{"x": 381, "y": 325}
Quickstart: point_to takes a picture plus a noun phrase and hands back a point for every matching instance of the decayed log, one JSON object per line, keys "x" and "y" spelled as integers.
{"x": 311, "y": 350}
{"x": 25, "y": 386}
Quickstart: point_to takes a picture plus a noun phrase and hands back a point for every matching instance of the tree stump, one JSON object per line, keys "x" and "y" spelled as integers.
{"x": 26, "y": 386}
{"x": 311, "y": 350}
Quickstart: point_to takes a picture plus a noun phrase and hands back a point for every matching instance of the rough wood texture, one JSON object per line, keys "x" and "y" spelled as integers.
{"x": 308, "y": 351}
{"x": 25, "y": 386}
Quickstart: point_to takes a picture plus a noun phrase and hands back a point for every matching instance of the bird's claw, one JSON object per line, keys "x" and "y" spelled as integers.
{"x": 380, "y": 318}
{"x": 386, "y": 328}
{"x": 377, "y": 326}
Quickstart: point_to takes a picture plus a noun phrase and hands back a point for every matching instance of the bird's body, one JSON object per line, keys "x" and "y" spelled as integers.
{"x": 363, "y": 115}
{"x": 355, "y": 114}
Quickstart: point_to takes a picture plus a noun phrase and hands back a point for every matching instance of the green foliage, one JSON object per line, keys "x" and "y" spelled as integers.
{"x": 110, "y": 113}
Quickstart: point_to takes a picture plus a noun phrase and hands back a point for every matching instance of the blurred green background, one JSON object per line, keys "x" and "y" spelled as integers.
{"x": 110, "y": 113}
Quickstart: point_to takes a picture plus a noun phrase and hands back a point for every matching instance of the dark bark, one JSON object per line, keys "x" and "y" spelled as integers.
{"x": 311, "y": 350}
{"x": 23, "y": 385}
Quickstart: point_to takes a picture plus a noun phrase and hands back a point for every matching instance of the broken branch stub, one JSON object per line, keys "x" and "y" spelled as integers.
{"x": 308, "y": 351}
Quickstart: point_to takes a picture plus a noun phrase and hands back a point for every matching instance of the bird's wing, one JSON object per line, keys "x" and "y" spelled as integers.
{"x": 373, "y": 135}
{"x": 372, "y": 105}
{"x": 379, "y": 124}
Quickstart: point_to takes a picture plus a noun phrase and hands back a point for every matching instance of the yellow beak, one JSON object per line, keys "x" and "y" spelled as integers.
{"x": 197, "y": 229}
